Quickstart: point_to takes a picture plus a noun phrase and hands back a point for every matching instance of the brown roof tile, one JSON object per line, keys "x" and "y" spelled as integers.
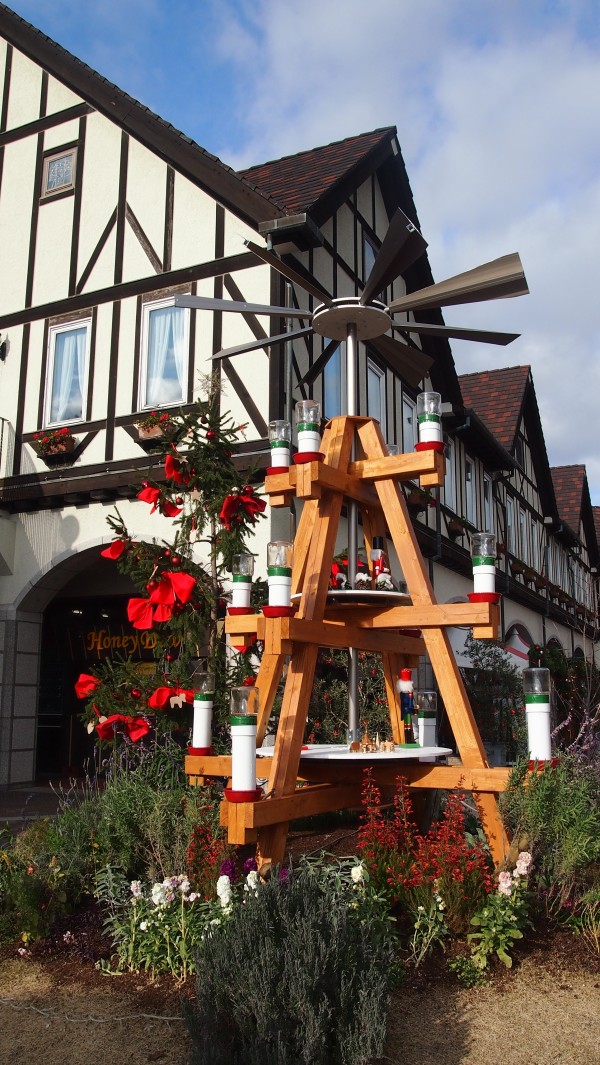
{"x": 569, "y": 482}
{"x": 297, "y": 182}
{"x": 497, "y": 396}
{"x": 596, "y": 515}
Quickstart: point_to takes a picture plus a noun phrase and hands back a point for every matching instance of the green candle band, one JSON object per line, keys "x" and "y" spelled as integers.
{"x": 483, "y": 560}
{"x": 537, "y": 697}
{"x": 280, "y": 443}
{"x": 243, "y": 719}
{"x": 429, "y": 418}
{"x": 241, "y": 578}
{"x": 308, "y": 427}
{"x": 204, "y": 697}
{"x": 279, "y": 571}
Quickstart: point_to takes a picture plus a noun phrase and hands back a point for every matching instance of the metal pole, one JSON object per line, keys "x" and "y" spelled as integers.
{"x": 289, "y": 370}
{"x": 352, "y": 408}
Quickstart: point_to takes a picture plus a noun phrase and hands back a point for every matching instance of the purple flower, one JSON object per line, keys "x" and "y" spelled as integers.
{"x": 228, "y": 869}
{"x": 250, "y": 866}
{"x": 284, "y": 875}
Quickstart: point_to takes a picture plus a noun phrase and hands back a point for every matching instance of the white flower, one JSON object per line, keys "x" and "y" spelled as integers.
{"x": 159, "y": 895}
{"x": 223, "y": 885}
{"x": 68, "y": 937}
{"x": 192, "y": 896}
{"x": 252, "y": 881}
{"x": 143, "y": 926}
{"x": 136, "y": 889}
{"x": 184, "y": 885}
{"x": 358, "y": 874}
{"x": 505, "y": 883}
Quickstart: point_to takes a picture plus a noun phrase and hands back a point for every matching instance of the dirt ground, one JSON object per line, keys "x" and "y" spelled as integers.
{"x": 56, "y": 1007}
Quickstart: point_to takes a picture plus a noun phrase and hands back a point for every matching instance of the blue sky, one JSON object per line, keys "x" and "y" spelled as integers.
{"x": 496, "y": 106}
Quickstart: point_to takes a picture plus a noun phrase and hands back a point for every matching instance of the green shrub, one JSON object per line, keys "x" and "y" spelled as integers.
{"x": 298, "y": 975}
{"x": 556, "y": 813}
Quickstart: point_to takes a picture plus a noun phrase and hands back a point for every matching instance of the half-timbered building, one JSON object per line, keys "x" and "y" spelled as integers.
{"x": 107, "y": 213}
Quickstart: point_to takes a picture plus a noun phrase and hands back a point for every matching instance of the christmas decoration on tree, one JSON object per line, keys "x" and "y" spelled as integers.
{"x": 181, "y": 600}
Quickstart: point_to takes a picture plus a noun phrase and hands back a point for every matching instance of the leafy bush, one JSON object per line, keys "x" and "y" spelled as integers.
{"x": 555, "y": 811}
{"x": 503, "y": 917}
{"x": 298, "y": 974}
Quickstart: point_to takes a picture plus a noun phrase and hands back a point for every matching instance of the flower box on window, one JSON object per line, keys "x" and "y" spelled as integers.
{"x": 418, "y": 500}
{"x": 456, "y": 528}
{"x": 154, "y": 428}
{"x": 539, "y": 581}
{"x": 54, "y": 445}
{"x": 517, "y": 566}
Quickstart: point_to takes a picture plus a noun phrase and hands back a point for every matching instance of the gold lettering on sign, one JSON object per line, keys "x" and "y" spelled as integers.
{"x": 101, "y": 642}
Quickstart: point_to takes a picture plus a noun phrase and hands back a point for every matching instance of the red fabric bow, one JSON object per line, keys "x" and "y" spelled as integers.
{"x": 241, "y": 501}
{"x": 85, "y": 685}
{"x": 153, "y": 496}
{"x": 114, "y": 550}
{"x": 135, "y": 727}
{"x": 161, "y": 696}
{"x": 174, "y": 470}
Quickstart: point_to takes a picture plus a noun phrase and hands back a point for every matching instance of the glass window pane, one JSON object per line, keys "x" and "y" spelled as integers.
{"x": 60, "y": 172}
{"x": 166, "y": 356}
{"x": 332, "y": 385}
{"x": 449, "y": 479}
{"x": 69, "y": 366}
{"x": 409, "y": 425}
{"x": 469, "y": 491}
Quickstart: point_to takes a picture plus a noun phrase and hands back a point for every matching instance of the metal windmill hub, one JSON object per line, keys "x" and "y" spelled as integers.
{"x": 371, "y": 320}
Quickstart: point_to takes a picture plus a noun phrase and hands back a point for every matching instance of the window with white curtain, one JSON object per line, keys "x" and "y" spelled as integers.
{"x": 487, "y": 504}
{"x": 449, "y": 493}
{"x": 164, "y": 361}
{"x": 409, "y": 424}
{"x": 67, "y": 373}
{"x": 470, "y": 491}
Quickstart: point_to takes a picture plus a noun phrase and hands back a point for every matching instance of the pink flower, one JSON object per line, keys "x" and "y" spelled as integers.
{"x": 505, "y": 883}
{"x": 523, "y": 863}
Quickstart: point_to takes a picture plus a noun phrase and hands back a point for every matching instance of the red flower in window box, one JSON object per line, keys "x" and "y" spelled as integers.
{"x": 54, "y": 442}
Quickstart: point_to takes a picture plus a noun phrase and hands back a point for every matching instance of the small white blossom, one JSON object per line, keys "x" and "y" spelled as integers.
{"x": 192, "y": 896}
{"x": 252, "y": 881}
{"x": 143, "y": 926}
{"x": 184, "y": 885}
{"x": 358, "y": 874}
{"x": 223, "y": 885}
{"x": 136, "y": 889}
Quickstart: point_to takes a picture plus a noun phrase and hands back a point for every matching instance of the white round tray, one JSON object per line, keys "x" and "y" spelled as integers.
{"x": 358, "y": 595}
{"x": 339, "y": 752}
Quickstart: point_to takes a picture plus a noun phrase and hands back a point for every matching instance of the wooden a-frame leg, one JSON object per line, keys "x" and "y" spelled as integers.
{"x": 267, "y": 681}
{"x": 286, "y": 759}
{"x": 452, "y": 689}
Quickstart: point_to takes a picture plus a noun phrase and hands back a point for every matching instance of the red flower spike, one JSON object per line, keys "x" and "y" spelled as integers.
{"x": 139, "y": 612}
{"x": 114, "y": 550}
{"x": 85, "y": 685}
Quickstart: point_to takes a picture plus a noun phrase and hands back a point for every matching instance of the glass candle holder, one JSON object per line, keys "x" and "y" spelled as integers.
{"x": 242, "y": 568}
{"x": 483, "y": 558}
{"x": 280, "y": 436}
{"x": 308, "y": 419}
{"x": 429, "y": 417}
{"x": 536, "y": 693}
{"x": 244, "y": 701}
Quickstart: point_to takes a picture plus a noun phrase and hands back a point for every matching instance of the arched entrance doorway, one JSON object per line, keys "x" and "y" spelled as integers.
{"x": 79, "y": 607}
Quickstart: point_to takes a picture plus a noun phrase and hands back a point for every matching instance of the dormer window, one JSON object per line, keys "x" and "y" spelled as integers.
{"x": 58, "y": 175}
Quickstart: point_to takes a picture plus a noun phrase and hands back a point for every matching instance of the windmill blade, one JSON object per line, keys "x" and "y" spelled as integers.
{"x": 402, "y": 246}
{"x": 482, "y": 336}
{"x": 207, "y": 303}
{"x": 492, "y": 281}
{"x": 318, "y": 366}
{"x": 266, "y": 342}
{"x": 304, "y": 280}
{"x": 405, "y": 359}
